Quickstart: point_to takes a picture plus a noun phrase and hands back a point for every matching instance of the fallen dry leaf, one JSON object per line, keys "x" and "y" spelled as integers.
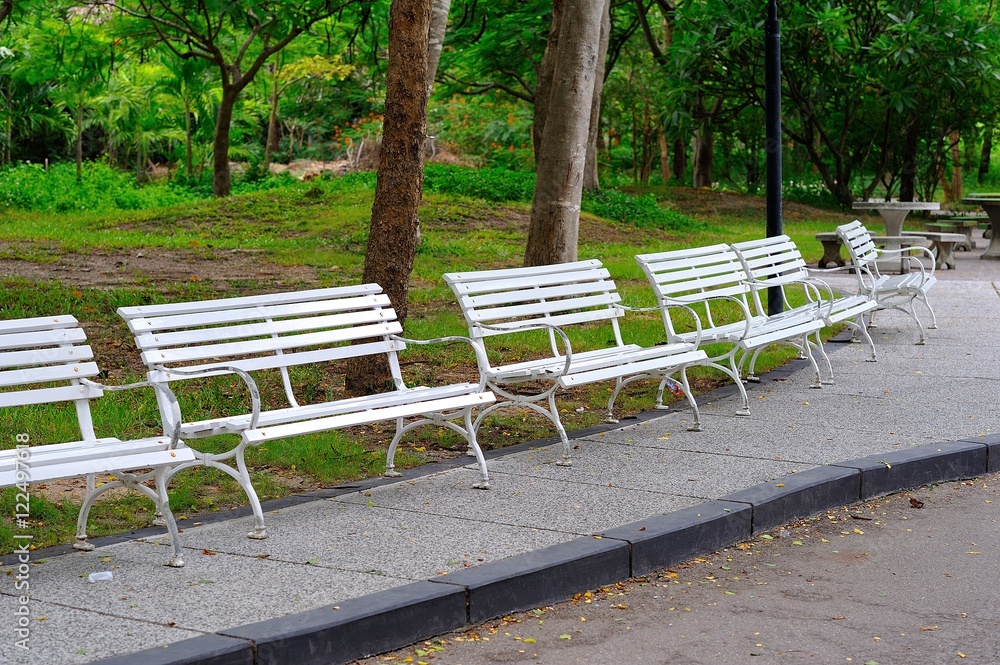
{"x": 915, "y": 503}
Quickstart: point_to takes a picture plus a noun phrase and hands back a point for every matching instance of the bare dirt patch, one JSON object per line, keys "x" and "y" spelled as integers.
{"x": 101, "y": 268}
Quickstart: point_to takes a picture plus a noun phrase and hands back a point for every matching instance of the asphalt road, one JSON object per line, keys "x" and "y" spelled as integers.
{"x": 884, "y": 582}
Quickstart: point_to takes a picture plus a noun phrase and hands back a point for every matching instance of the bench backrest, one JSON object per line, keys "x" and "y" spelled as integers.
{"x": 695, "y": 276}
{"x": 271, "y": 331}
{"x": 42, "y": 361}
{"x": 860, "y": 246}
{"x": 561, "y": 295}
{"x": 776, "y": 261}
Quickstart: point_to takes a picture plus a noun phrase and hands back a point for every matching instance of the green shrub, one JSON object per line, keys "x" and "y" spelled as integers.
{"x": 491, "y": 184}
{"x": 642, "y": 211}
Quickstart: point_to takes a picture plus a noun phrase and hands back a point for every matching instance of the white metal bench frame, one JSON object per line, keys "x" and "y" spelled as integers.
{"x": 276, "y": 331}
{"x": 46, "y": 360}
{"x": 777, "y": 262}
{"x": 700, "y": 276}
{"x": 898, "y": 292}
{"x": 558, "y": 298}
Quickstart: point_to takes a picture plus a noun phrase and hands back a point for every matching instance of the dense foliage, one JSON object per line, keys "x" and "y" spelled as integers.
{"x": 881, "y": 97}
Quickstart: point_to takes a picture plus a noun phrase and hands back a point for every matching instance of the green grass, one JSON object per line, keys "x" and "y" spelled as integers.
{"x": 324, "y": 224}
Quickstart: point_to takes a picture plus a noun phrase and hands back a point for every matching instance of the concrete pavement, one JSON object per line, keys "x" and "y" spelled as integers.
{"x": 357, "y": 570}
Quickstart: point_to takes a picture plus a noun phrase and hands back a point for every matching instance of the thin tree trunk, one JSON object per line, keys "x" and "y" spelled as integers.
{"x": 555, "y": 209}
{"x": 79, "y": 142}
{"x": 220, "y": 144}
{"x": 543, "y": 88}
{"x": 392, "y": 237}
{"x": 591, "y": 181}
{"x": 680, "y": 159}
{"x": 272, "y": 127}
{"x": 956, "y": 166}
{"x": 986, "y": 155}
{"x": 664, "y": 157}
{"x": 188, "y": 131}
{"x": 704, "y": 154}
{"x": 435, "y": 39}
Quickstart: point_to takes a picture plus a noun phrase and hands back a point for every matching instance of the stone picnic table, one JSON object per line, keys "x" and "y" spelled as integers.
{"x": 991, "y": 204}
{"x": 894, "y": 213}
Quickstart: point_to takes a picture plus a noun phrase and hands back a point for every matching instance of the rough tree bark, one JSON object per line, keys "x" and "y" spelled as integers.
{"x": 555, "y": 209}
{"x": 392, "y": 237}
{"x": 591, "y": 181}
{"x": 543, "y": 87}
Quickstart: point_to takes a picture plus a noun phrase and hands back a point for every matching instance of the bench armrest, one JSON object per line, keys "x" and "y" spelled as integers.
{"x": 677, "y": 305}
{"x": 158, "y": 386}
{"x": 512, "y": 328}
{"x": 810, "y": 285}
{"x": 912, "y": 248}
{"x": 481, "y": 359}
{"x": 243, "y": 374}
{"x": 670, "y": 303}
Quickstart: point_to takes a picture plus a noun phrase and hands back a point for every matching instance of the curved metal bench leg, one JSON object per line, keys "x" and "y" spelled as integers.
{"x": 826, "y": 360}
{"x": 93, "y": 491}
{"x": 690, "y": 397}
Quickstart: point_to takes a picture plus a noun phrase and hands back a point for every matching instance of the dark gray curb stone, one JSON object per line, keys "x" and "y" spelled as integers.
{"x": 357, "y": 628}
{"x": 203, "y": 650}
{"x": 797, "y": 495}
{"x": 542, "y": 577}
{"x": 992, "y": 443}
{"x": 905, "y": 469}
{"x": 665, "y": 540}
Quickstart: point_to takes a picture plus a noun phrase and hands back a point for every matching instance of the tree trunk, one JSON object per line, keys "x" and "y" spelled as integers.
{"x": 543, "y": 88}
{"x": 555, "y": 209}
{"x": 220, "y": 144}
{"x": 435, "y": 39}
{"x": 591, "y": 181}
{"x": 956, "y": 166}
{"x": 680, "y": 159}
{"x": 704, "y": 153}
{"x": 272, "y": 127}
{"x": 79, "y": 142}
{"x": 188, "y": 131}
{"x": 664, "y": 157}
{"x": 392, "y": 237}
{"x": 987, "y": 154}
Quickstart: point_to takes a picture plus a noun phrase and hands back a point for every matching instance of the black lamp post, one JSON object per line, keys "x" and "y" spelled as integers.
{"x": 772, "y": 123}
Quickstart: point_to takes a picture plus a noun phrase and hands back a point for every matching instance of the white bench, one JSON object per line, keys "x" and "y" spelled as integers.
{"x": 891, "y": 291}
{"x": 703, "y": 279}
{"x": 562, "y": 300}
{"x": 777, "y": 262}
{"x": 284, "y": 330}
{"x": 45, "y": 361}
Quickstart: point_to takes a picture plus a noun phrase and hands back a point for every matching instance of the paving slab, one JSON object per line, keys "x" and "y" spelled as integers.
{"x": 541, "y": 503}
{"x": 61, "y": 634}
{"x": 356, "y": 536}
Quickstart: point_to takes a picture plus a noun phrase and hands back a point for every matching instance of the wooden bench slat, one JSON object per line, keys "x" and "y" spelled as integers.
{"x": 45, "y": 356}
{"x": 236, "y": 315}
{"x": 356, "y": 418}
{"x": 526, "y": 281}
{"x": 48, "y": 395}
{"x": 273, "y": 361}
{"x": 23, "y": 340}
{"x": 67, "y": 372}
{"x": 37, "y": 324}
{"x": 506, "y": 273}
{"x": 541, "y": 310}
{"x": 187, "y": 354}
{"x": 194, "y": 307}
{"x": 536, "y": 294}
{"x": 202, "y": 335}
